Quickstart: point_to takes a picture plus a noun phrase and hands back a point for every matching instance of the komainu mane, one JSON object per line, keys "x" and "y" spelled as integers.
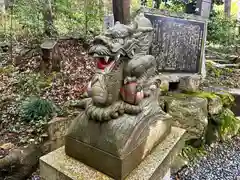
{"x": 123, "y": 72}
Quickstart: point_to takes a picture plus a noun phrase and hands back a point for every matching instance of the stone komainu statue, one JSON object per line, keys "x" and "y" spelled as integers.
{"x": 121, "y": 119}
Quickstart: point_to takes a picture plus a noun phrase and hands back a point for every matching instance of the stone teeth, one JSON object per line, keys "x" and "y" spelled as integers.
{"x": 117, "y": 57}
{"x": 95, "y": 55}
{"x": 132, "y": 52}
{"x": 106, "y": 58}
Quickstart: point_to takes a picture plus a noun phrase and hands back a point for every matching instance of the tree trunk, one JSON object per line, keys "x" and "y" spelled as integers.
{"x": 157, "y": 4}
{"x": 227, "y": 8}
{"x": 121, "y": 11}
{"x": 49, "y": 27}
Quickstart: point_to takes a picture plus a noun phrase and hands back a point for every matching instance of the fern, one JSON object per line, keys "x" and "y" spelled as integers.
{"x": 35, "y": 109}
{"x": 191, "y": 153}
{"x": 230, "y": 124}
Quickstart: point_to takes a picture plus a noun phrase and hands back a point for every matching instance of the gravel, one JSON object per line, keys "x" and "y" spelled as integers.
{"x": 222, "y": 162}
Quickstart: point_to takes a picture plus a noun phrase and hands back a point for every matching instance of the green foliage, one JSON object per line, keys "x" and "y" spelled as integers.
{"x": 203, "y": 94}
{"x": 214, "y": 71}
{"x": 32, "y": 83}
{"x": 228, "y": 100}
{"x": 217, "y": 72}
{"x": 191, "y": 153}
{"x": 6, "y": 70}
{"x": 78, "y": 16}
{"x": 28, "y": 14}
{"x": 69, "y": 16}
{"x": 221, "y": 30}
{"x": 174, "y": 6}
{"x": 229, "y": 123}
{"x": 36, "y": 109}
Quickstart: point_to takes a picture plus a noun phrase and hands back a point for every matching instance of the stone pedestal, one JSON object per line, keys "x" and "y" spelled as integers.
{"x": 167, "y": 175}
{"x": 58, "y": 166}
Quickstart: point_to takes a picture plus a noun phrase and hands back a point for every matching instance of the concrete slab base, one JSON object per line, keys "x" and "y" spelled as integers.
{"x": 58, "y": 166}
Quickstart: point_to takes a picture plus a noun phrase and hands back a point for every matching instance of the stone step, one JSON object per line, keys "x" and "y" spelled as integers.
{"x": 58, "y": 166}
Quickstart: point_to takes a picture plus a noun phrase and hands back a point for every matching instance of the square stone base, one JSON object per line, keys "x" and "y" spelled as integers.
{"x": 58, "y": 166}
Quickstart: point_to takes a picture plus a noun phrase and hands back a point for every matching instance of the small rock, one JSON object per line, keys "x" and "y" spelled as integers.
{"x": 7, "y": 146}
{"x": 31, "y": 140}
{"x": 44, "y": 135}
{"x": 30, "y": 131}
{"x": 189, "y": 83}
{"x": 215, "y": 105}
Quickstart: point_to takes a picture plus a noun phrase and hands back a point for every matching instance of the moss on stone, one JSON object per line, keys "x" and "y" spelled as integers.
{"x": 164, "y": 88}
{"x": 199, "y": 94}
{"x": 203, "y": 94}
{"x": 227, "y": 99}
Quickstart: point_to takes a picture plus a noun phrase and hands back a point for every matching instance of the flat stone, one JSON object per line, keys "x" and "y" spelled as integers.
{"x": 48, "y": 44}
{"x": 175, "y": 77}
{"x": 58, "y": 166}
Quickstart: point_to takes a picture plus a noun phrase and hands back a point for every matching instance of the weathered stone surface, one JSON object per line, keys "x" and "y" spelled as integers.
{"x": 224, "y": 91}
{"x": 215, "y": 105}
{"x": 57, "y": 129}
{"x": 189, "y": 83}
{"x": 58, "y": 166}
{"x": 189, "y": 113}
{"x": 164, "y": 86}
{"x": 178, "y": 164}
{"x": 119, "y": 145}
{"x": 24, "y": 160}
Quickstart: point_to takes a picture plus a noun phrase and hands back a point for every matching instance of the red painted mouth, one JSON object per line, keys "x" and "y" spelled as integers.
{"x": 102, "y": 64}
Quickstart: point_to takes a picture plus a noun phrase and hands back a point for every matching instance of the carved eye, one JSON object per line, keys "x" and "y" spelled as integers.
{"x": 119, "y": 41}
{"x": 115, "y": 41}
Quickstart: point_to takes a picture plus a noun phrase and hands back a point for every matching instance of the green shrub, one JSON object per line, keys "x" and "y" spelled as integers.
{"x": 221, "y": 30}
{"x": 35, "y": 109}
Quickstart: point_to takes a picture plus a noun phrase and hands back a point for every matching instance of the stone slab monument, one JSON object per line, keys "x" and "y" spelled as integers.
{"x": 178, "y": 41}
{"x": 121, "y": 123}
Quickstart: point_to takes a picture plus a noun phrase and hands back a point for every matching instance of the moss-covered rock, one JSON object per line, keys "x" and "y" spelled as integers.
{"x": 188, "y": 112}
{"x": 215, "y": 103}
{"x": 164, "y": 86}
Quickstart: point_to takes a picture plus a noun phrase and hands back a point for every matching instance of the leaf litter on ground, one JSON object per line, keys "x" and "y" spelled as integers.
{"x": 68, "y": 84}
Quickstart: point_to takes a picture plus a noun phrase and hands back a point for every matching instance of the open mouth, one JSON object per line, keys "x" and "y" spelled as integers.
{"x": 103, "y": 62}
